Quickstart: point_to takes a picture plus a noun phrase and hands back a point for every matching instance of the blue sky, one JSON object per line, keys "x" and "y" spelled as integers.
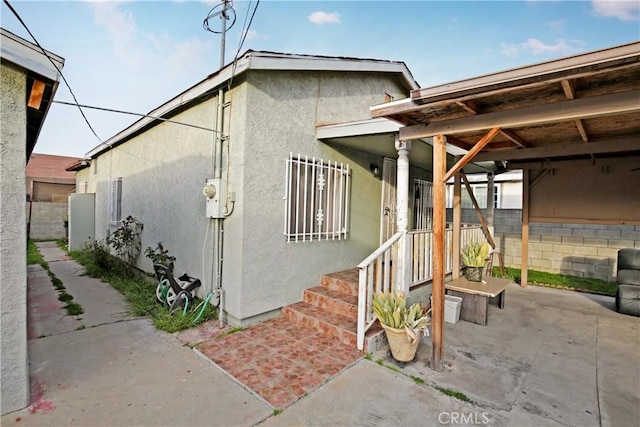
{"x": 135, "y": 55}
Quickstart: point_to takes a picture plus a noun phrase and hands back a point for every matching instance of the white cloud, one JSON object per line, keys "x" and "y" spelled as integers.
{"x": 557, "y": 24}
{"x": 321, "y": 18}
{"x": 252, "y": 35}
{"x": 537, "y": 47}
{"x": 622, "y": 10}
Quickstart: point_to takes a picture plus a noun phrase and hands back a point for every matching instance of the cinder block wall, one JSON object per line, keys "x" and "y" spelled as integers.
{"x": 583, "y": 250}
{"x": 47, "y": 220}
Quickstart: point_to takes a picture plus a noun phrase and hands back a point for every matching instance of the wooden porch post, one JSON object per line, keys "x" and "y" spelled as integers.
{"x": 457, "y": 223}
{"x": 402, "y": 218}
{"x": 437, "y": 310}
{"x": 525, "y": 228}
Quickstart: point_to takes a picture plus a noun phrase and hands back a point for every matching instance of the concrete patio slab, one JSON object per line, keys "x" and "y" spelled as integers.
{"x": 368, "y": 394}
{"x": 549, "y": 357}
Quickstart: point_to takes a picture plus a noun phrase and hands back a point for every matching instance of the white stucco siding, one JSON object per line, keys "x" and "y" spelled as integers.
{"x": 163, "y": 172}
{"x": 282, "y": 111}
{"x": 14, "y": 378}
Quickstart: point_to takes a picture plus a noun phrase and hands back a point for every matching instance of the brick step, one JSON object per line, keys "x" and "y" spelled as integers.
{"x": 331, "y": 300}
{"x": 331, "y": 324}
{"x": 344, "y": 281}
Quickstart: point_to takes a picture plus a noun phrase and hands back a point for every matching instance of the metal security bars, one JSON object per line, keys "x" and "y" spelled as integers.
{"x": 422, "y": 204}
{"x": 316, "y": 199}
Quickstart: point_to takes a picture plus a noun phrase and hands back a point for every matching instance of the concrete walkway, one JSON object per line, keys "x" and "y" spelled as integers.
{"x": 106, "y": 368}
{"x": 549, "y": 358}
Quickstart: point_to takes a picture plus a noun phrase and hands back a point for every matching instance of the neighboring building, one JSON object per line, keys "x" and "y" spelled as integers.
{"x": 48, "y": 187}
{"x": 293, "y": 207}
{"x": 29, "y": 82}
{"x": 570, "y": 248}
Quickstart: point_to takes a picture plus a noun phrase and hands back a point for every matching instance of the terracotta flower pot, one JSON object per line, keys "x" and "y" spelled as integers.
{"x": 402, "y": 349}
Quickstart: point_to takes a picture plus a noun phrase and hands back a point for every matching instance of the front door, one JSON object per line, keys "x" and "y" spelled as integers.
{"x": 389, "y": 206}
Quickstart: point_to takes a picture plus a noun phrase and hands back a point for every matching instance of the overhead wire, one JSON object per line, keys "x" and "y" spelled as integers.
{"x": 55, "y": 65}
{"x": 245, "y": 31}
{"x": 111, "y": 110}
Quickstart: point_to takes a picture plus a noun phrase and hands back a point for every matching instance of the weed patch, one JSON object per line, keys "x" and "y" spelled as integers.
{"x": 73, "y": 308}
{"x": 417, "y": 380}
{"x": 64, "y": 297}
{"x": 138, "y": 290}
{"x": 455, "y": 394}
{"x": 33, "y": 254}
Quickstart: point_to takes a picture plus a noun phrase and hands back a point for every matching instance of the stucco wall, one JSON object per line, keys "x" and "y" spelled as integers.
{"x": 281, "y": 112}
{"x": 269, "y": 115}
{"x": 47, "y": 220}
{"x": 163, "y": 172}
{"x": 14, "y": 378}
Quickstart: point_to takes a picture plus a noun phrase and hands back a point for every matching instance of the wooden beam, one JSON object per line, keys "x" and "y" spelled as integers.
{"x": 619, "y": 145}
{"x": 569, "y": 88}
{"x": 472, "y": 107}
{"x": 525, "y": 229}
{"x": 37, "y": 92}
{"x": 471, "y": 154}
{"x": 582, "y": 130}
{"x": 557, "y": 164}
{"x": 476, "y": 207}
{"x": 457, "y": 224}
{"x": 515, "y": 138}
{"x": 459, "y": 143}
{"x": 595, "y": 106}
{"x": 437, "y": 288}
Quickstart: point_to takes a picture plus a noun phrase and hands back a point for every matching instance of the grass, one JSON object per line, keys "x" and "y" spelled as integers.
{"x": 140, "y": 293}
{"x": 33, "y": 254}
{"x": 541, "y": 278}
{"x": 455, "y": 394}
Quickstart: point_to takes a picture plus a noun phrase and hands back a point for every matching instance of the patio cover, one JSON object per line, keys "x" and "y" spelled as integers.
{"x": 578, "y": 115}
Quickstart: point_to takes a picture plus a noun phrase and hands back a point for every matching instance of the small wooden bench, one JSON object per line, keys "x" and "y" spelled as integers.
{"x": 476, "y": 295}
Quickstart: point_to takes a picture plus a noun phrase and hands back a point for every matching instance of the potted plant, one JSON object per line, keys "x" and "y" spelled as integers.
{"x": 402, "y": 325}
{"x": 474, "y": 258}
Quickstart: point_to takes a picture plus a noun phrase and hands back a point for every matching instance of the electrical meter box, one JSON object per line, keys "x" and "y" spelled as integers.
{"x": 216, "y": 195}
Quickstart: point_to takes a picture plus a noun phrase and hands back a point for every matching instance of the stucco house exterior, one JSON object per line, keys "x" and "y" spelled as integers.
{"x": 284, "y": 203}
{"x": 29, "y": 81}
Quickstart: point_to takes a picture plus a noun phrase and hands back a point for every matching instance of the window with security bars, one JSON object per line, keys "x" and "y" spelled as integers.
{"x": 316, "y": 199}
{"x": 422, "y": 204}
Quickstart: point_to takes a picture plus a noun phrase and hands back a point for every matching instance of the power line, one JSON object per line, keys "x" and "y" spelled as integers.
{"x": 54, "y": 64}
{"x": 244, "y": 36}
{"x": 111, "y": 110}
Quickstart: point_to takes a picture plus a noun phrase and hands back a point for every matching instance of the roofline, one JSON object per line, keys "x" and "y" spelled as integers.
{"x": 78, "y": 165}
{"x": 544, "y": 72}
{"x": 258, "y": 60}
{"x": 515, "y": 76}
{"x": 29, "y": 56}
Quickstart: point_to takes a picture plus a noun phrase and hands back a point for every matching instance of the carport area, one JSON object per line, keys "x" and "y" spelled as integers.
{"x": 571, "y": 125}
{"x": 550, "y": 356}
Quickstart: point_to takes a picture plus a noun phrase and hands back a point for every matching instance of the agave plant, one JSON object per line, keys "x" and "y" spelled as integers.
{"x": 475, "y": 254}
{"x": 391, "y": 310}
